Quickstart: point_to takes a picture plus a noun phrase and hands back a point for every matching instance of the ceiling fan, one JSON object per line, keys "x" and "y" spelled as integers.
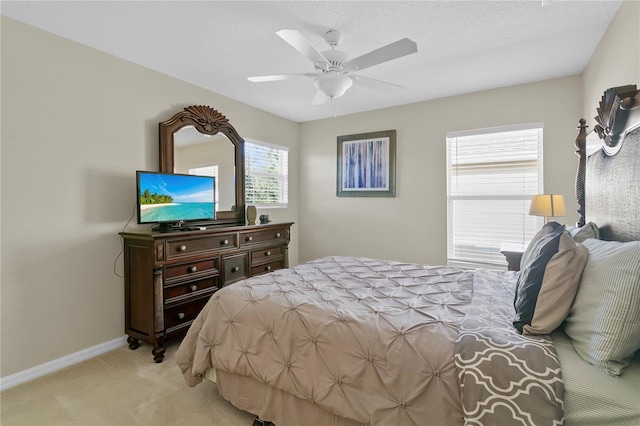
{"x": 334, "y": 73}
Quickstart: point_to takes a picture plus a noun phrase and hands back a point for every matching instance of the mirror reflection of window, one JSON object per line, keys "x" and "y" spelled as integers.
{"x": 209, "y": 170}
{"x": 193, "y": 150}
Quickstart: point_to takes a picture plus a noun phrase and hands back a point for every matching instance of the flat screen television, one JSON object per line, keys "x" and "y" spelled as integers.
{"x": 173, "y": 201}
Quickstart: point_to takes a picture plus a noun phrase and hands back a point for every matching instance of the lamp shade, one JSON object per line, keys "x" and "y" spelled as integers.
{"x": 547, "y": 205}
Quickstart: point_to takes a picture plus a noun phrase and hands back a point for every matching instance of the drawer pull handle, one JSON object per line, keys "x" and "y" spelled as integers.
{"x": 267, "y": 268}
{"x": 267, "y": 253}
{"x": 249, "y": 239}
{"x": 277, "y": 235}
{"x": 224, "y": 242}
{"x": 194, "y": 287}
{"x": 181, "y": 315}
{"x": 182, "y": 248}
{"x": 193, "y": 269}
{"x": 235, "y": 269}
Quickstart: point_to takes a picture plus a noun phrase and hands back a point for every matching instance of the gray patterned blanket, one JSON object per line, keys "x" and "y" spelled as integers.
{"x": 505, "y": 377}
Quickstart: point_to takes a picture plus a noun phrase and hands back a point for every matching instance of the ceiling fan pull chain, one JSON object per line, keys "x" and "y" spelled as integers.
{"x": 333, "y": 111}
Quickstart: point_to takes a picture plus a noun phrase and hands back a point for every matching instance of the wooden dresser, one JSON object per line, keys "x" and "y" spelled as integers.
{"x": 169, "y": 277}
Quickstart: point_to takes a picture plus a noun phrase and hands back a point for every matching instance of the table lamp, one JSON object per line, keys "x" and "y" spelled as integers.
{"x": 547, "y": 205}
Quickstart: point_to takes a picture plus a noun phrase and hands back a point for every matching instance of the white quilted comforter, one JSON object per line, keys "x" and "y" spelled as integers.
{"x": 369, "y": 340}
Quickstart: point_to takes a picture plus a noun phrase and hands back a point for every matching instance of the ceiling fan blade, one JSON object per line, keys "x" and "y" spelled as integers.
{"x": 320, "y": 98}
{"x": 302, "y": 45}
{"x": 386, "y": 53}
{"x": 263, "y": 78}
{"x": 372, "y": 83}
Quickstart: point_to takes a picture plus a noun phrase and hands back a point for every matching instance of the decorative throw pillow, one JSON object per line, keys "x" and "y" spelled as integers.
{"x": 589, "y": 230}
{"x": 534, "y": 261}
{"x": 559, "y": 286}
{"x": 604, "y": 322}
{"x": 529, "y": 252}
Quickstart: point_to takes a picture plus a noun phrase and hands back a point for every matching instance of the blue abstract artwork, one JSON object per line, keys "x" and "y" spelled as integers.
{"x": 365, "y": 165}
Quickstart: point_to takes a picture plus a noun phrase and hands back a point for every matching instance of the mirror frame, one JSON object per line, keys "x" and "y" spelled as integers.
{"x": 208, "y": 121}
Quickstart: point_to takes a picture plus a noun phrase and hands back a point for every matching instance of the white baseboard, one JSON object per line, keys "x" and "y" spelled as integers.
{"x": 60, "y": 363}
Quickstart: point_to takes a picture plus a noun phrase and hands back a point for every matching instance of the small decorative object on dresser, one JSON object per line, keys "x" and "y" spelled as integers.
{"x": 251, "y": 215}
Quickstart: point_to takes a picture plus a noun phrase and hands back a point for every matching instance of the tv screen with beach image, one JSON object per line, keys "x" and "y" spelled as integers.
{"x": 166, "y": 197}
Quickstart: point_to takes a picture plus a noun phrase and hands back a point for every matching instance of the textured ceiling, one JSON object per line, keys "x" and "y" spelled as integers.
{"x": 463, "y": 46}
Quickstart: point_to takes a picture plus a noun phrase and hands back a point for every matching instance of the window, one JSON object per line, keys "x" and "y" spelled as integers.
{"x": 211, "y": 170}
{"x": 266, "y": 174}
{"x": 491, "y": 176}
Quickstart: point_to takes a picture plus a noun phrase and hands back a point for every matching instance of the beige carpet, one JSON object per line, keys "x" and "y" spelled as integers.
{"x": 122, "y": 387}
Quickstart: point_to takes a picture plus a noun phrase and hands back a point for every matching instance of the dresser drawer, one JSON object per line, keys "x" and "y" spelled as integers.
{"x": 176, "y": 316}
{"x": 191, "y": 246}
{"x": 256, "y": 237}
{"x": 267, "y": 267}
{"x": 184, "y": 290}
{"x": 266, "y": 254}
{"x": 235, "y": 267}
{"x": 190, "y": 270}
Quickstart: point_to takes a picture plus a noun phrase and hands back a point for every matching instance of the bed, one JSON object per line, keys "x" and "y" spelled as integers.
{"x": 352, "y": 341}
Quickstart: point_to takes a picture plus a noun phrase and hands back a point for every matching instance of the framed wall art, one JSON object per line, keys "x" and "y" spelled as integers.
{"x": 367, "y": 165}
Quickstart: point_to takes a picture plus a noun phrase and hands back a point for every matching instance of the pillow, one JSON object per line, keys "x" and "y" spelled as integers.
{"x": 589, "y": 230}
{"x": 534, "y": 261}
{"x": 604, "y": 323}
{"x": 529, "y": 251}
{"x": 548, "y": 284}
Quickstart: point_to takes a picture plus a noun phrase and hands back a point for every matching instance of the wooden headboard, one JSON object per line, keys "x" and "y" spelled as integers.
{"x": 608, "y": 181}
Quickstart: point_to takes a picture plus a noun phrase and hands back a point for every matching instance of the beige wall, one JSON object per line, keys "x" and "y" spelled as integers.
{"x": 616, "y": 60}
{"x": 413, "y": 225}
{"x": 76, "y": 124}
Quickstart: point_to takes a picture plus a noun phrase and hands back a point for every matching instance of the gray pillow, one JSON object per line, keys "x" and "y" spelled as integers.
{"x": 533, "y": 264}
{"x": 589, "y": 230}
{"x": 531, "y": 251}
{"x": 604, "y": 322}
{"x": 559, "y": 286}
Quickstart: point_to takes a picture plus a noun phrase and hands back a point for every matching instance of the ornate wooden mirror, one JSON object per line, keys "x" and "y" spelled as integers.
{"x": 200, "y": 136}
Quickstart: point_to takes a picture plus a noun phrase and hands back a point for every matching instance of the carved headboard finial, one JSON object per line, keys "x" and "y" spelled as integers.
{"x": 614, "y": 120}
{"x": 581, "y": 151}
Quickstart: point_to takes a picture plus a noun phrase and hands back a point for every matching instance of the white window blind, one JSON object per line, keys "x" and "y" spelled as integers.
{"x": 491, "y": 176}
{"x": 210, "y": 170}
{"x": 266, "y": 174}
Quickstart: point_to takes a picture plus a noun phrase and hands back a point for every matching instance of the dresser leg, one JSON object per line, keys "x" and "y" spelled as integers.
{"x": 158, "y": 351}
{"x": 133, "y": 343}
{"x": 259, "y": 422}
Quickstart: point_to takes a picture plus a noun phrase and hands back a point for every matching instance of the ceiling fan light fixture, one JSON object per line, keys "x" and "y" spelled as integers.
{"x": 333, "y": 84}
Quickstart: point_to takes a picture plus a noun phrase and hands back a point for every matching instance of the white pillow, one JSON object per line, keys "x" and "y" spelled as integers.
{"x": 604, "y": 322}
{"x": 590, "y": 230}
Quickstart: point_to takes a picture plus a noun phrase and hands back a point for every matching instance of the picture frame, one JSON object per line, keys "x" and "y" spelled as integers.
{"x": 366, "y": 165}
